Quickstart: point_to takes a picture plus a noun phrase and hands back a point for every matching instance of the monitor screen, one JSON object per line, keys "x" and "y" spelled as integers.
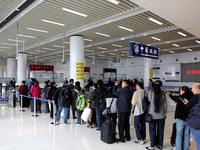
{"x": 41, "y": 67}
{"x": 190, "y": 72}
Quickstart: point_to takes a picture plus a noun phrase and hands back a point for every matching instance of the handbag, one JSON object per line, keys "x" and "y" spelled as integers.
{"x": 148, "y": 117}
{"x": 85, "y": 114}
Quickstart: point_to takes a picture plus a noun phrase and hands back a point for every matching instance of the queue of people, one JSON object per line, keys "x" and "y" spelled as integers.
{"x": 120, "y": 99}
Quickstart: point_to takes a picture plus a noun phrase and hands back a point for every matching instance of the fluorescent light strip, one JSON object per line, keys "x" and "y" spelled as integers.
{"x": 155, "y": 21}
{"x": 27, "y": 36}
{"x": 38, "y": 30}
{"x": 15, "y": 40}
{"x": 112, "y": 54}
{"x": 114, "y": 2}
{"x": 91, "y": 56}
{"x": 102, "y": 48}
{"x": 8, "y": 44}
{"x": 52, "y": 22}
{"x": 189, "y": 50}
{"x": 109, "y": 58}
{"x": 102, "y": 34}
{"x": 116, "y": 45}
{"x": 175, "y": 45}
{"x": 58, "y": 46}
{"x": 156, "y": 38}
{"x": 127, "y": 29}
{"x": 88, "y": 40}
{"x": 87, "y": 50}
{"x": 2, "y": 50}
{"x": 5, "y": 47}
{"x": 102, "y": 55}
{"x": 198, "y": 41}
{"x": 125, "y": 52}
{"x": 172, "y": 52}
{"x": 40, "y": 51}
{"x": 122, "y": 38}
{"x": 74, "y": 12}
{"x": 182, "y": 34}
{"x": 51, "y": 49}
{"x": 67, "y": 42}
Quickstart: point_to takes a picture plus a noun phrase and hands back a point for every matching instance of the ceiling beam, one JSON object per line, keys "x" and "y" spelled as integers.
{"x": 178, "y": 48}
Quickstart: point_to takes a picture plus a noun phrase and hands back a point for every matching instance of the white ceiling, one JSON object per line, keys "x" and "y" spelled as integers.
{"x": 104, "y": 17}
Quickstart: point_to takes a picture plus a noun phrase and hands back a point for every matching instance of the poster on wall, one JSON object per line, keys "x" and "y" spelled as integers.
{"x": 156, "y": 73}
{"x": 79, "y": 71}
{"x": 150, "y": 73}
{"x": 172, "y": 76}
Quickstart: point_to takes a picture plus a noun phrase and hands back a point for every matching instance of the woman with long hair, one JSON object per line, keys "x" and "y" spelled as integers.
{"x": 158, "y": 111}
{"x": 36, "y": 91}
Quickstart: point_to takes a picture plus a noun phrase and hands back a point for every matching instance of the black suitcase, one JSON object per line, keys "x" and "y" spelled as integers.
{"x": 108, "y": 131}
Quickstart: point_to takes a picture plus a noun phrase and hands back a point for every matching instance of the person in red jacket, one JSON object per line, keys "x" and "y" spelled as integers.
{"x": 23, "y": 89}
{"x": 36, "y": 91}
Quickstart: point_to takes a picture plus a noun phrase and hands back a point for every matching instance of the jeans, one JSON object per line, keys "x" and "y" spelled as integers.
{"x": 38, "y": 105}
{"x": 99, "y": 118}
{"x": 140, "y": 126}
{"x": 65, "y": 116}
{"x": 182, "y": 127}
{"x": 79, "y": 113}
{"x": 156, "y": 131}
{"x": 46, "y": 107}
{"x": 124, "y": 126}
{"x": 196, "y": 136}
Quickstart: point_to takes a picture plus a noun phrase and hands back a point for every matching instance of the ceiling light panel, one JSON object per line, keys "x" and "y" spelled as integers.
{"x": 124, "y": 28}
{"x": 156, "y": 38}
{"x": 155, "y": 21}
{"x": 74, "y": 12}
{"x": 50, "y": 49}
{"x": 198, "y": 41}
{"x": 52, "y": 22}
{"x": 16, "y": 40}
{"x": 98, "y": 33}
{"x": 116, "y": 2}
{"x": 102, "y": 48}
{"x": 183, "y": 34}
{"x": 38, "y": 30}
{"x": 175, "y": 45}
{"x": 26, "y": 36}
{"x": 58, "y": 46}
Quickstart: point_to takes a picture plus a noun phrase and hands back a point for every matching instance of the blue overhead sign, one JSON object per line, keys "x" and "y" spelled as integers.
{"x": 143, "y": 50}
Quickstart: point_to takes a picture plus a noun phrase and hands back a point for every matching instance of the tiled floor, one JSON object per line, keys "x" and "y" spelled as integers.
{"x": 20, "y": 131}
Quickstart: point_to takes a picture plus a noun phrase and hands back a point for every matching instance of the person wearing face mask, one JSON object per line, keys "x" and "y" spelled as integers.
{"x": 181, "y": 114}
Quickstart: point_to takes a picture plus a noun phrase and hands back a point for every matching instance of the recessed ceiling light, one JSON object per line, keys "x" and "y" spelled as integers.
{"x": 198, "y": 41}
{"x": 175, "y": 45}
{"x": 52, "y": 22}
{"x": 5, "y": 47}
{"x": 2, "y": 50}
{"x": 102, "y": 34}
{"x": 127, "y": 29}
{"x": 27, "y": 36}
{"x": 183, "y": 34}
{"x": 58, "y": 46}
{"x": 88, "y": 40}
{"x": 112, "y": 54}
{"x": 116, "y": 2}
{"x": 189, "y": 50}
{"x": 74, "y": 12}
{"x": 16, "y": 40}
{"x": 155, "y": 21}
{"x": 102, "y": 48}
{"x": 8, "y": 44}
{"x": 156, "y": 38}
{"x": 51, "y": 49}
{"x": 172, "y": 52}
{"x": 38, "y": 30}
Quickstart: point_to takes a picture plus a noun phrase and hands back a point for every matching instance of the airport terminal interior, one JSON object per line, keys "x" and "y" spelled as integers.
{"x": 139, "y": 44}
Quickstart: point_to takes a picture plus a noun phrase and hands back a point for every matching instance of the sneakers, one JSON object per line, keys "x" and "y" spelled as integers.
{"x": 57, "y": 123}
{"x": 139, "y": 142}
{"x": 78, "y": 123}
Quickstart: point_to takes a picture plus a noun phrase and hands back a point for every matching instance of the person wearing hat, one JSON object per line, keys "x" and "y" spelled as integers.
{"x": 158, "y": 111}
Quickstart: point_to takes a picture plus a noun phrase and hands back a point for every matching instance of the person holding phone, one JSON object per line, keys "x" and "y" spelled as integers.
{"x": 181, "y": 114}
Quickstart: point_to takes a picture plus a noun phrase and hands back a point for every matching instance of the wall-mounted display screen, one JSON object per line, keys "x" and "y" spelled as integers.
{"x": 86, "y": 69}
{"x": 190, "y": 72}
{"x": 41, "y": 67}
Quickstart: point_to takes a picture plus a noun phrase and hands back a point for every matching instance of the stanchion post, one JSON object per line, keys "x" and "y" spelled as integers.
{"x": 21, "y": 103}
{"x": 54, "y": 121}
{"x": 34, "y": 115}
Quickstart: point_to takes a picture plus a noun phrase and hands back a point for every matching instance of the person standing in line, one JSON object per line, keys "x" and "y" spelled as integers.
{"x": 139, "y": 115}
{"x": 79, "y": 95}
{"x": 71, "y": 87}
{"x": 44, "y": 91}
{"x": 181, "y": 113}
{"x": 50, "y": 94}
{"x": 110, "y": 83}
{"x": 158, "y": 111}
{"x": 124, "y": 109}
{"x": 23, "y": 89}
{"x": 99, "y": 94}
{"x": 12, "y": 83}
{"x": 64, "y": 99}
{"x": 35, "y": 92}
{"x": 189, "y": 105}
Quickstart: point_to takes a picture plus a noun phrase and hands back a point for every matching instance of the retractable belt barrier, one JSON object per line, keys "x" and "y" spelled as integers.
{"x": 34, "y": 98}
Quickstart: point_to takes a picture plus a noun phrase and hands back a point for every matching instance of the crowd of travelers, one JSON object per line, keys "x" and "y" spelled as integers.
{"x": 118, "y": 101}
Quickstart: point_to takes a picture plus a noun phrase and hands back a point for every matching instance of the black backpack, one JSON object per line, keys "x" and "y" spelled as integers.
{"x": 194, "y": 116}
{"x": 63, "y": 99}
{"x": 108, "y": 131}
{"x": 101, "y": 106}
{"x": 145, "y": 103}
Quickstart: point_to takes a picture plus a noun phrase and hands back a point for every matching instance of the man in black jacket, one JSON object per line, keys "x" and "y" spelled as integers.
{"x": 63, "y": 101}
{"x": 124, "y": 109}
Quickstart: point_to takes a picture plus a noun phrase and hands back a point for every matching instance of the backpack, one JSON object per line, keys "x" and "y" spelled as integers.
{"x": 63, "y": 99}
{"x": 80, "y": 101}
{"x": 101, "y": 105}
{"x": 145, "y": 104}
{"x": 194, "y": 116}
{"x": 108, "y": 133}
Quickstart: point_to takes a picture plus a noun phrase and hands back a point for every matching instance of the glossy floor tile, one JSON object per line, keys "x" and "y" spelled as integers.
{"x": 21, "y": 131}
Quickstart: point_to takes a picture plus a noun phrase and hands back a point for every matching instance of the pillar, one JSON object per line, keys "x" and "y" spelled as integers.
{"x": 11, "y": 68}
{"x": 21, "y": 67}
{"x": 148, "y": 71}
{"x": 2, "y": 72}
{"x": 77, "y": 58}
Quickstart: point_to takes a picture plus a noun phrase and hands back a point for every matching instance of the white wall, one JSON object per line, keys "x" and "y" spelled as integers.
{"x": 168, "y": 64}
